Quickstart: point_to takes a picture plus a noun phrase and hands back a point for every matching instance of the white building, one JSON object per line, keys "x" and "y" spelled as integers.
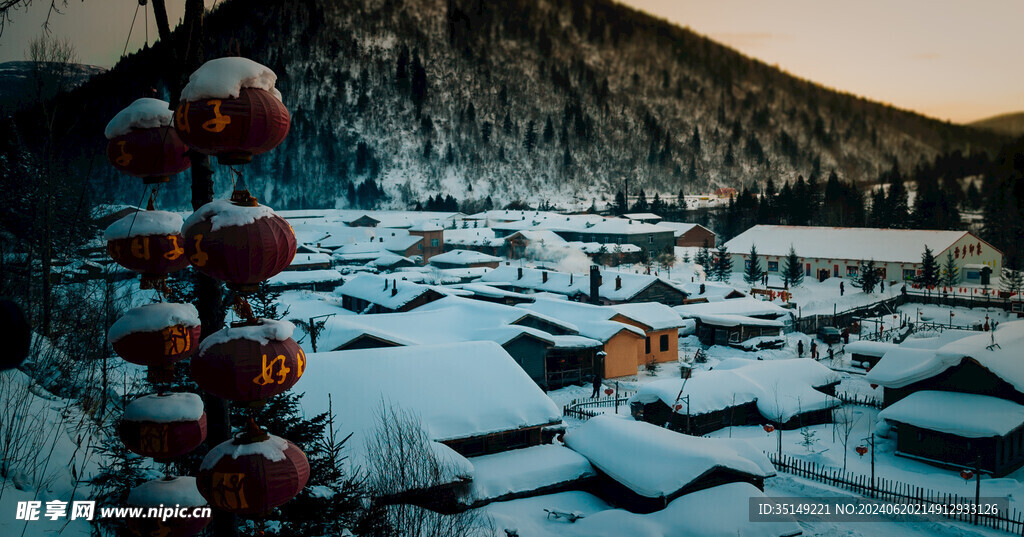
{"x": 839, "y": 251}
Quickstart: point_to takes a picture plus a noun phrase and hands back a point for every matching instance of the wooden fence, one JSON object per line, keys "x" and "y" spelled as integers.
{"x": 897, "y": 492}
{"x": 858, "y": 399}
{"x": 583, "y": 409}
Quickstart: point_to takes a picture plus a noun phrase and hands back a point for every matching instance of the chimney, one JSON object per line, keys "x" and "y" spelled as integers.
{"x": 618, "y": 283}
{"x": 570, "y": 279}
{"x": 385, "y": 284}
{"x": 394, "y": 287}
{"x": 520, "y": 273}
{"x": 702, "y": 288}
{"x": 595, "y": 284}
{"x": 544, "y": 276}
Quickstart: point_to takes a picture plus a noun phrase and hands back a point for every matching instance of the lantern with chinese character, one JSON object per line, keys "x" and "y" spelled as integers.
{"x": 148, "y": 242}
{"x": 239, "y": 241}
{"x": 177, "y": 493}
{"x": 143, "y": 144}
{"x": 253, "y": 473}
{"x": 231, "y": 109}
{"x": 251, "y": 362}
{"x": 163, "y": 426}
{"x": 156, "y": 335}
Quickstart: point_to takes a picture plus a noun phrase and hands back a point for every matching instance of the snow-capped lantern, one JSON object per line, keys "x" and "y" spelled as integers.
{"x": 156, "y": 335}
{"x": 239, "y": 241}
{"x": 148, "y": 242}
{"x": 143, "y": 144}
{"x": 249, "y": 363}
{"x": 253, "y": 473}
{"x": 967, "y": 475}
{"x": 230, "y": 109}
{"x": 163, "y": 426}
{"x": 861, "y": 450}
{"x": 178, "y": 493}
{"x": 768, "y": 428}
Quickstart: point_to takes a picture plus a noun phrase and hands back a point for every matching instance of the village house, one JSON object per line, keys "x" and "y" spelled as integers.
{"x": 608, "y": 288}
{"x": 746, "y": 323}
{"x": 374, "y": 388}
{"x": 464, "y": 259}
{"x": 786, "y": 393}
{"x": 691, "y": 235}
{"x": 837, "y": 252}
{"x": 959, "y": 403}
{"x": 671, "y": 465}
{"x": 432, "y": 240}
{"x": 368, "y": 293}
{"x": 585, "y": 228}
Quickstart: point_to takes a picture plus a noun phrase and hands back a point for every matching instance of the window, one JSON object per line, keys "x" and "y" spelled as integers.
{"x": 881, "y": 272}
{"x": 650, "y": 239}
{"x": 434, "y": 243}
{"x": 851, "y": 271}
{"x": 908, "y": 274}
{"x": 419, "y": 246}
{"x": 734, "y": 337}
{"x": 663, "y": 342}
{"x": 647, "y": 345}
{"x": 773, "y": 266}
{"x": 746, "y": 263}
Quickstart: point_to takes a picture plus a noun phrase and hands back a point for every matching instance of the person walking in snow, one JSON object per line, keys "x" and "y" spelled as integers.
{"x": 831, "y": 354}
{"x": 842, "y": 289}
{"x": 597, "y": 385}
{"x": 814, "y": 350}
{"x": 800, "y": 348}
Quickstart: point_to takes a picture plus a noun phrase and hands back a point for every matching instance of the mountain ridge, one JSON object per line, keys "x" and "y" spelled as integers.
{"x": 543, "y": 101}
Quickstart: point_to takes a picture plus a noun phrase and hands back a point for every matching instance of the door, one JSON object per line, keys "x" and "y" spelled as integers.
{"x": 808, "y": 270}
{"x": 835, "y": 271}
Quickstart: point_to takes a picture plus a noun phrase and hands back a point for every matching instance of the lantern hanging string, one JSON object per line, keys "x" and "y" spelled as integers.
{"x": 244, "y": 310}
{"x": 136, "y": 214}
{"x": 130, "y": 28}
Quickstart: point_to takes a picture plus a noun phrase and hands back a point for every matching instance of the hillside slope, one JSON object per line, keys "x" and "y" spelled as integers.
{"x": 1010, "y": 124}
{"x": 551, "y": 101}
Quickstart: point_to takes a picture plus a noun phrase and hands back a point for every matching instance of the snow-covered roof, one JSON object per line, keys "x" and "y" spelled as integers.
{"x": 448, "y": 320}
{"x": 870, "y": 348}
{"x": 713, "y": 291}
{"x": 538, "y": 235}
{"x": 781, "y": 388}
{"x": 963, "y": 414}
{"x": 655, "y": 462}
{"x": 301, "y": 260}
{"x": 371, "y": 288}
{"x": 591, "y": 321}
{"x": 297, "y": 277}
{"x": 564, "y": 283}
{"x": 653, "y": 314}
{"x": 144, "y": 113}
{"x": 883, "y": 245}
{"x": 472, "y": 237}
{"x": 463, "y": 257}
{"x": 527, "y": 469}
{"x": 680, "y": 228}
{"x": 493, "y": 393}
{"x": 689, "y": 515}
{"x": 223, "y": 78}
{"x": 747, "y": 306}
{"x": 388, "y": 259}
{"x": 426, "y": 225}
{"x": 904, "y": 366}
{"x": 489, "y": 291}
{"x": 641, "y": 216}
{"x": 144, "y": 223}
{"x": 735, "y": 320}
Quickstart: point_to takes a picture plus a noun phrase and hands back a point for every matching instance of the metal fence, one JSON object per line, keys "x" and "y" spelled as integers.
{"x": 583, "y": 409}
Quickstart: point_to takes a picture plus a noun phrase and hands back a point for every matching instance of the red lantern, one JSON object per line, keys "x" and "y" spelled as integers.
{"x": 228, "y": 120}
{"x": 678, "y": 407}
{"x": 967, "y": 475}
{"x": 148, "y": 242}
{"x": 163, "y": 426}
{"x": 156, "y": 335}
{"x": 143, "y": 144}
{"x": 768, "y": 428}
{"x": 874, "y": 386}
{"x": 608, "y": 391}
{"x": 861, "y": 450}
{"x": 239, "y": 242}
{"x": 249, "y": 363}
{"x": 252, "y": 474}
{"x": 171, "y": 493}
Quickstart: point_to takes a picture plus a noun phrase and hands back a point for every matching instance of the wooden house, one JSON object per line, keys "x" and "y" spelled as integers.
{"x": 691, "y": 235}
{"x": 432, "y": 243}
{"x": 674, "y": 464}
{"x": 464, "y": 259}
{"x": 597, "y": 288}
{"x": 867, "y": 353}
{"x": 367, "y": 293}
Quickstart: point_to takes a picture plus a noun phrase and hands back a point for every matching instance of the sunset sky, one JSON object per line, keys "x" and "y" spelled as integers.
{"x": 944, "y": 58}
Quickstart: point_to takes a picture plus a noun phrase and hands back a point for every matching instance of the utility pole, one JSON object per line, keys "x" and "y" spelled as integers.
{"x": 210, "y": 292}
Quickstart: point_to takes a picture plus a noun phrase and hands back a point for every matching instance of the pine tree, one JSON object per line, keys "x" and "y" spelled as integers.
{"x": 620, "y": 203}
{"x": 657, "y": 206}
{"x": 549, "y": 131}
{"x": 950, "y": 272}
{"x": 703, "y": 258}
{"x": 723, "y": 264}
{"x": 419, "y": 82}
{"x": 896, "y": 200}
{"x": 867, "y": 277}
{"x": 752, "y": 273}
{"x": 929, "y": 276}
{"x": 792, "y": 272}
{"x": 1012, "y": 280}
{"x": 530, "y": 137}
{"x": 641, "y": 203}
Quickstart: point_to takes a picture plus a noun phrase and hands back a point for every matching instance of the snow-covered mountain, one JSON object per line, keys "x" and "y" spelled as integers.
{"x": 18, "y": 80}
{"x": 534, "y": 100}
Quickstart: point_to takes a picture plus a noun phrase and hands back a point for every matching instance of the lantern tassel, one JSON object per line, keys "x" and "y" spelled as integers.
{"x": 240, "y": 192}
{"x": 244, "y": 311}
